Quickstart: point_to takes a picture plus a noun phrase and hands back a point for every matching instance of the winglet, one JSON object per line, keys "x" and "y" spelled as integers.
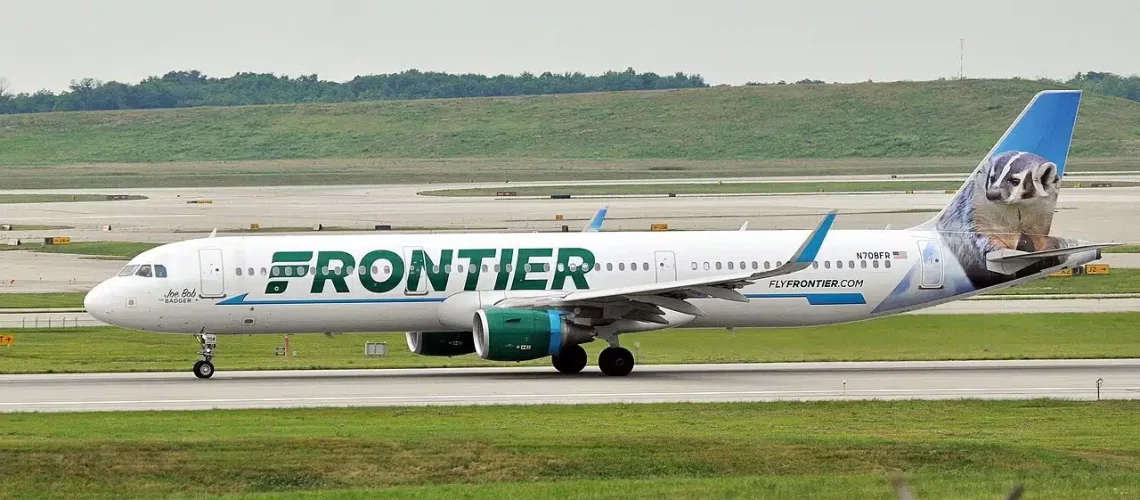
{"x": 595, "y": 223}
{"x": 214, "y": 232}
{"x": 807, "y": 252}
{"x": 744, "y": 227}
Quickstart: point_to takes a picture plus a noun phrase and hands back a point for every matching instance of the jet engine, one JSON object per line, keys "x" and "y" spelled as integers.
{"x": 524, "y": 334}
{"x": 441, "y": 343}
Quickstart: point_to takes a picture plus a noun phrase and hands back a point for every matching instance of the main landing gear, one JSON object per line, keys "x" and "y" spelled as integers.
{"x": 204, "y": 368}
{"x": 614, "y": 361}
{"x": 570, "y": 360}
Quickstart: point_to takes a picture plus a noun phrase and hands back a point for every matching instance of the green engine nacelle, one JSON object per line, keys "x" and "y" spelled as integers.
{"x": 441, "y": 343}
{"x": 523, "y": 334}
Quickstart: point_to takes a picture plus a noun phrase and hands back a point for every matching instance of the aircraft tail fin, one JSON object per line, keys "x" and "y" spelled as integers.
{"x": 1021, "y": 175}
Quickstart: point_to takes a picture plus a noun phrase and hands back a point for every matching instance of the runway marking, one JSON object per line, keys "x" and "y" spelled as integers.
{"x": 1013, "y": 390}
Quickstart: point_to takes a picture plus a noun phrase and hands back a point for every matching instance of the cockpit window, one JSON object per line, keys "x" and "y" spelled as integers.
{"x": 128, "y": 270}
{"x": 159, "y": 271}
{"x": 144, "y": 271}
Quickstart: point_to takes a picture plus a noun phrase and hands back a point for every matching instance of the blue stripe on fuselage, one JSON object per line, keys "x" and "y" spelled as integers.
{"x": 240, "y": 300}
{"x": 816, "y": 299}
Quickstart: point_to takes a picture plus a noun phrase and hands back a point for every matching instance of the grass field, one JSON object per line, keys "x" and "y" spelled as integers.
{"x": 36, "y": 227}
{"x": 830, "y": 450}
{"x": 720, "y": 188}
{"x": 41, "y": 300}
{"x": 1123, "y": 249}
{"x": 117, "y": 250}
{"x": 867, "y": 120}
{"x": 1120, "y": 280}
{"x": 355, "y": 171}
{"x": 1109, "y": 335}
{"x": 54, "y": 198}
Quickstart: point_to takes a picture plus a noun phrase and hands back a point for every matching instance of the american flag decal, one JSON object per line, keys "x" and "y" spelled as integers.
{"x": 898, "y": 255}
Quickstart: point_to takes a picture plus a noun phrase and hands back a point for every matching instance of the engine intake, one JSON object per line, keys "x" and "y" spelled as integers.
{"x": 441, "y": 343}
{"x": 524, "y": 334}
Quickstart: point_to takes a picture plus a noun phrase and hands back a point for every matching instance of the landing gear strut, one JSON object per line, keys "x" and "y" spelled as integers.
{"x": 570, "y": 360}
{"x": 615, "y": 361}
{"x": 204, "y": 368}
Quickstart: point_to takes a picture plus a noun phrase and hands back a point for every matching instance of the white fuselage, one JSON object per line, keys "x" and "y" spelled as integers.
{"x": 232, "y": 285}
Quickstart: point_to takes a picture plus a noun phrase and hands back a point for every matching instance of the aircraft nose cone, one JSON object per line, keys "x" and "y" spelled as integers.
{"x": 97, "y": 302}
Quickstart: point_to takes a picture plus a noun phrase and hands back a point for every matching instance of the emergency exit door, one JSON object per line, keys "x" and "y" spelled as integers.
{"x": 932, "y": 266}
{"x": 213, "y": 278}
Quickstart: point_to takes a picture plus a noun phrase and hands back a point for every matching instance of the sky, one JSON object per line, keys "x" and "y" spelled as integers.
{"x": 44, "y": 44}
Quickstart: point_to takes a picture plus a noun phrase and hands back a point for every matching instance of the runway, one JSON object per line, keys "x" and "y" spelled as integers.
{"x": 1065, "y": 379}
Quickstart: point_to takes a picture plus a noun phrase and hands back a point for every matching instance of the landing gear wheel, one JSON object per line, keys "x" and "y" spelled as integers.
{"x": 616, "y": 361}
{"x": 570, "y": 360}
{"x": 203, "y": 369}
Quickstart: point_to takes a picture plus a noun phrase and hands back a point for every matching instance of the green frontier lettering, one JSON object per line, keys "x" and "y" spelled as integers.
{"x": 522, "y": 267}
{"x": 576, "y": 271}
{"x": 368, "y": 263}
{"x": 517, "y": 269}
{"x": 475, "y": 258}
{"x": 280, "y": 274}
{"x": 326, "y": 272}
{"x": 504, "y": 265}
{"x": 437, "y": 274}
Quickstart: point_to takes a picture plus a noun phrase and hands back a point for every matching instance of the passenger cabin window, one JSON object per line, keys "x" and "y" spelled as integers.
{"x": 144, "y": 271}
{"x": 128, "y": 270}
{"x": 237, "y": 271}
{"x": 887, "y": 264}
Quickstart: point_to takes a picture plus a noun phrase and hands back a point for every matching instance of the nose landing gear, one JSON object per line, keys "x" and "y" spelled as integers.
{"x": 204, "y": 368}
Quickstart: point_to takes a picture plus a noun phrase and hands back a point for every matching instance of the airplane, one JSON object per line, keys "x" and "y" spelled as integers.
{"x": 525, "y": 296}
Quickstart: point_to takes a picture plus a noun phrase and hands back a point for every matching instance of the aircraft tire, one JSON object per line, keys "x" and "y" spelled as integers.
{"x": 203, "y": 369}
{"x": 615, "y": 361}
{"x": 570, "y": 360}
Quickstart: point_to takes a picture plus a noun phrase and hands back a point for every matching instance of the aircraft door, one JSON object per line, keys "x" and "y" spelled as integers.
{"x": 416, "y": 283}
{"x": 932, "y": 268}
{"x": 666, "y": 266}
{"x": 213, "y": 277}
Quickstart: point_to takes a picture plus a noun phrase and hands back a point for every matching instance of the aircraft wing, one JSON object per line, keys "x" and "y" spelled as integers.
{"x": 644, "y": 302}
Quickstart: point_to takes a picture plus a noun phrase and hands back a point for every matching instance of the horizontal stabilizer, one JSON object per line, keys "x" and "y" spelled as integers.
{"x": 1014, "y": 255}
{"x": 1012, "y": 261}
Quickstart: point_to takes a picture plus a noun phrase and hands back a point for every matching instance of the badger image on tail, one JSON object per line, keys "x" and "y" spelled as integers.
{"x": 1008, "y": 204}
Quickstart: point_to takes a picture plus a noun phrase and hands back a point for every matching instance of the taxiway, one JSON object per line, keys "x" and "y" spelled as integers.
{"x": 1065, "y": 379}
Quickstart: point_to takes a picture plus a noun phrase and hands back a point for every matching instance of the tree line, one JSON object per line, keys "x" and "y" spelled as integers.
{"x": 179, "y": 89}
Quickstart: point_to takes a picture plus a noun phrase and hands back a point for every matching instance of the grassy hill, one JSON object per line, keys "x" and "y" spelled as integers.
{"x": 872, "y": 120}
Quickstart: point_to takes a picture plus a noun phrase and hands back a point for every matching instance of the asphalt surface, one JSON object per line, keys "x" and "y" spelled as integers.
{"x": 1081, "y": 212}
{"x": 1063, "y": 379}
